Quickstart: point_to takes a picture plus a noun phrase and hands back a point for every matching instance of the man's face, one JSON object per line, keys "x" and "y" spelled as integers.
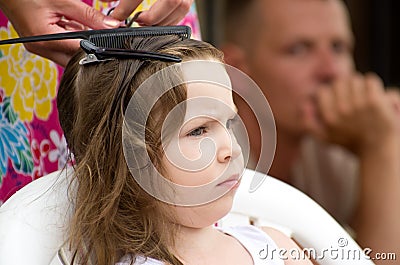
{"x": 302, "y": 44}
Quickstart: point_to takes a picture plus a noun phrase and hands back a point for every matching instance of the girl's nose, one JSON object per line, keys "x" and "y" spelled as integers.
{"x": 228, "y": 148}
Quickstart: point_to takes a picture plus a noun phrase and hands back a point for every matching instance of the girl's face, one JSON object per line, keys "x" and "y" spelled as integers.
{"x": 204, "y": 153}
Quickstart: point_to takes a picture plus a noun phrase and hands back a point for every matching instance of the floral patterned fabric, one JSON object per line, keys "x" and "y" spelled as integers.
{"x": 32, "y": 143}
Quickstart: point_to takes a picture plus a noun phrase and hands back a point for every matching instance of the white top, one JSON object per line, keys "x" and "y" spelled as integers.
{"x": 261, "y": 247}
{"x": 329, "y": 175}
{"x": 253, "y": 239}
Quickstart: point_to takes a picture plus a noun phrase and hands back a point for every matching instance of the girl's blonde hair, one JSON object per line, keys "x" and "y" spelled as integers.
{"x": 113, "y": 216}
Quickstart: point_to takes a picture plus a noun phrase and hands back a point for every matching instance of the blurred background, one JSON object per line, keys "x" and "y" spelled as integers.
{"x": 375, "y": 26}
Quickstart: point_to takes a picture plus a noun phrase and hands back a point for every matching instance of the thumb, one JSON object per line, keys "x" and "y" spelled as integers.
{"x": 88, "y": 16}
{"x": 125, "y": 8}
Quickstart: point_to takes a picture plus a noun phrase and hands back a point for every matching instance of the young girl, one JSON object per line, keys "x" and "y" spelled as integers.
{"x": 118, "y": 218}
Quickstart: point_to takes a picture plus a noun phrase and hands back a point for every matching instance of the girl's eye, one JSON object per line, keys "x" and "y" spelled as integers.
{"x": 232, "y": 122}
{"x": 197, "y": 132}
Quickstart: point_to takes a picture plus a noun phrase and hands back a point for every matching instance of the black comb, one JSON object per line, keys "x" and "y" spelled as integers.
{"x": 110, "y": 38}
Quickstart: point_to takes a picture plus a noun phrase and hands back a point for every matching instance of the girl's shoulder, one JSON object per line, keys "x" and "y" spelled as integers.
{"x": 289, "y": 250}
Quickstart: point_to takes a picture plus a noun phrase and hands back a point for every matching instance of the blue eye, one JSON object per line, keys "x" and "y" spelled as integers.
{"x": 198, "y": 131}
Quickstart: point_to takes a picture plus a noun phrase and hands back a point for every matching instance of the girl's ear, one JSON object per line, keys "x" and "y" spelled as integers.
{"x": 235, "y": 56}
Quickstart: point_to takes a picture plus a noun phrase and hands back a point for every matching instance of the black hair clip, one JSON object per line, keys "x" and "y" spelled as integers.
{"x": 100, "y": 54}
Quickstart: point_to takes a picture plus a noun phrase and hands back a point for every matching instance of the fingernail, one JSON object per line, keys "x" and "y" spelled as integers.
{"x": 111, "y": 22}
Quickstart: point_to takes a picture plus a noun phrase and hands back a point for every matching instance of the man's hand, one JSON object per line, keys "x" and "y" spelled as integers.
{"x": 357, "y": 113}
{"x": 364, "y": 118}
{"x": 161, "y": 13}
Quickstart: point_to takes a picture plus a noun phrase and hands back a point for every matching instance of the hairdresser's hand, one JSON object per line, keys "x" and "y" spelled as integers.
{"x": 357, "y": 114}
{"x": 162, "y": 12}
{"x": 36, "y": 17}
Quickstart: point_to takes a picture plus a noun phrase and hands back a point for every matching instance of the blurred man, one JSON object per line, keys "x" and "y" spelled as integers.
{"x": 338, "y": 132}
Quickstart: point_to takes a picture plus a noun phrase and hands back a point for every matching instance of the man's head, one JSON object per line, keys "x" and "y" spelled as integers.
{"x": 290, "y": 48}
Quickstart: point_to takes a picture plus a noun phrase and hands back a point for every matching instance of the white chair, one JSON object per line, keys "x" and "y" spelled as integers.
{"x": 33, "y": 221}
{"x": 284, "y": 207}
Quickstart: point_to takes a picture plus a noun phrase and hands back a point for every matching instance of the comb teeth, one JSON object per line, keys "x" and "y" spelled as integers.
{"x": 118, "y": 37}
{"x": 107, "y": 38}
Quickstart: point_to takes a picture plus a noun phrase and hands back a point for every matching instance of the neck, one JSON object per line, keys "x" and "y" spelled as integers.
{"x": 195, "y": 243}
{"x": 210, "y": 246}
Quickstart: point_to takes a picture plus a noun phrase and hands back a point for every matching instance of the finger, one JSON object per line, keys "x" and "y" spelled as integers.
{"x": 88, "y": 16}
{"x": 342, "y": 96}
{"x": 325, "y": 112}
{"x": 311, "y": 121}
{"x": 70, "y": 25}
{"x": 357, "y": 92}
{"x": 59, "y": 52}
{"x": 393, "y": 96}
{"x": 125, "y": 9}
{"x": 326, "y": 104}
{"x": 165, "y": 12}
{"x": 383, "y": 103}
{"x": 177, "y": 15}
{"x": 62, "y": 57}
{"x": 155, "y": 14}
{"x": 374, "y": 88}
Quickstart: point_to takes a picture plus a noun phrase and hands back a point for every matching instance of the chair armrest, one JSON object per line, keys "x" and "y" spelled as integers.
{"x": 297, "y": 215}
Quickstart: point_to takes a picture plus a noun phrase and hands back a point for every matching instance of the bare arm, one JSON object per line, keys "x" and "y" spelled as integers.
{"x": 289, "y": 246}
{"x": 363, "y": 118}
{"x": 37, "y": 17}
{"x": 377, "y": 221}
